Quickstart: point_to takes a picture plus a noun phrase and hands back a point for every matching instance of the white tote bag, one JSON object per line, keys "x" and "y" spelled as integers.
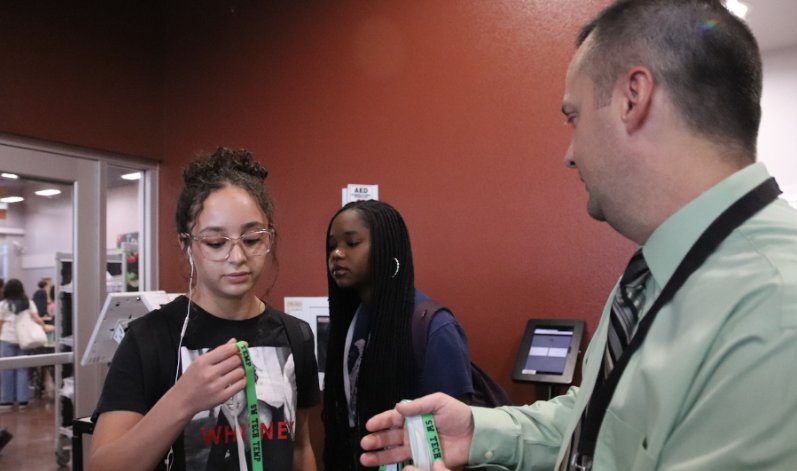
{"x": 29, "y": 334}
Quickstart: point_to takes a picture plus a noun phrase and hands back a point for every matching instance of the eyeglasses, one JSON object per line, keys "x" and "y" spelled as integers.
{"x": 218, "y": 248}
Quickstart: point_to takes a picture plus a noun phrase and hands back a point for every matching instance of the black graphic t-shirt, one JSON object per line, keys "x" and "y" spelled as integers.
{"x": 145, "y": 363}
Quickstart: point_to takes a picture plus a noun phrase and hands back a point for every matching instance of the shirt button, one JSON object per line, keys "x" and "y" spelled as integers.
{"x": 489, "y": 455}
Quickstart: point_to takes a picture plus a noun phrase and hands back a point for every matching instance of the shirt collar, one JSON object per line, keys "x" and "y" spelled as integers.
{"x": 670, "y": 242}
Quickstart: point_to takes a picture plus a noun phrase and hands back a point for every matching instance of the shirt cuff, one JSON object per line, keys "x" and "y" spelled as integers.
{"x": 495, "y": 437}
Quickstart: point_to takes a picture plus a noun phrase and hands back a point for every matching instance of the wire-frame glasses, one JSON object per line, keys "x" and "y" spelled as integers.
{"x": 217, "y": 248}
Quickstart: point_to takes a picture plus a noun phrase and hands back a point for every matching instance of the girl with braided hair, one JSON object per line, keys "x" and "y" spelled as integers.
{"x": 173, "y": 394}
{"x": 370, "y": 365}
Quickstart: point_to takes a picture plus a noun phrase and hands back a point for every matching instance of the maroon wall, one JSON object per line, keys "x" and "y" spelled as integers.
{"x": 452, "y": 107}
{"x": 83, "y": 72}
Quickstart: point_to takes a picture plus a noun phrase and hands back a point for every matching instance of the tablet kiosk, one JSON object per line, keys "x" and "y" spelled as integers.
{"x": 549, "y": 351}
{"x": 118, "y": 311}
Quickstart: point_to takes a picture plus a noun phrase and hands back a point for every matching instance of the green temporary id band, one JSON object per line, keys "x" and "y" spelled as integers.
{"x": 431, "y": 436}
{"x": 254, "y": 417}
{"x": 420, "y": 430}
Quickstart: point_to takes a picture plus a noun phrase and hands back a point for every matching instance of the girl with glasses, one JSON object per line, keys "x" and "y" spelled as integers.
{"x": 167, "y": 399}
{"x": 372, "y": 297}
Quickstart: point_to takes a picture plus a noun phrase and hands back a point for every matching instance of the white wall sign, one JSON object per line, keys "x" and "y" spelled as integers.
{"x": 360, "y": 193}
{"x": 44, "y": 260}
{"x": 314, "y": 311}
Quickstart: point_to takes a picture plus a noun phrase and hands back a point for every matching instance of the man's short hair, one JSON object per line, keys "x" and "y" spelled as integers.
{"x": 705, "y": 57}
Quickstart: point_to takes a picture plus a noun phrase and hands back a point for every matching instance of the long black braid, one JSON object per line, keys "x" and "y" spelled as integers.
{"x": 387, "y": 368}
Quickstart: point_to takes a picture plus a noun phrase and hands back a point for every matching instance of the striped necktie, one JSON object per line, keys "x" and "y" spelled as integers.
{"x": 628, "y": 302}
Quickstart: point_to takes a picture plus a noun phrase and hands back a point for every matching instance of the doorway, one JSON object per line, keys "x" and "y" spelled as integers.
{"x": 83, "y": 221}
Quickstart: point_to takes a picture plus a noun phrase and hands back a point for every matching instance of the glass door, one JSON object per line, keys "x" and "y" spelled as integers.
{"x": 72, "y": 222}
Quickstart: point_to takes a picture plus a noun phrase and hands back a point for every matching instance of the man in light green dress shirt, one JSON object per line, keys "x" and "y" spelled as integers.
{"x": 664, "y": 98}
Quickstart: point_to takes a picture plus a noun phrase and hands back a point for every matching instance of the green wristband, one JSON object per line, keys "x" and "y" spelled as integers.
{"x": 432, "y": 438}
{"x": 254, "y": 417}
{"x": 424, "y": 443}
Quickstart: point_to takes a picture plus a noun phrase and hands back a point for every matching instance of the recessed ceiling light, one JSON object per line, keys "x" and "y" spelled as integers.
{"x": 50, "y": 192}
{"x": 736, "y": 7}
{"x": 132, "y": 176}
{"x": 11, "y": 199}
{"x": 9, "y": 175}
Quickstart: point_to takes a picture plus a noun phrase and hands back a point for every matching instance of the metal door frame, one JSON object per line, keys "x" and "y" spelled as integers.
{"x": 86, "y": 169}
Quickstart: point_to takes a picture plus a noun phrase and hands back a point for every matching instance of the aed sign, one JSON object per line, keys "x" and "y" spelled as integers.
{"x": 360, "y": 193}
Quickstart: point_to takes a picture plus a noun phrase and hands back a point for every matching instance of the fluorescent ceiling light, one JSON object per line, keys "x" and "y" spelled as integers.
{"x": 50, "y": 192}
{"x": 736, "y": 7}
{"x": 9, "y": 175}
{"x": 12, "y": 199}
{"x": 132, "y": 176}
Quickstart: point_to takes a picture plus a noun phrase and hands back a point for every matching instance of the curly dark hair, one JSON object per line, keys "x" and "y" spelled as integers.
{"x": 211, "y": 172}
{"x": 387, "y": 372}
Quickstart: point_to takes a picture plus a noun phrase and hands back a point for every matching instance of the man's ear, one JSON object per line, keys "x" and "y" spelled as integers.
{"x": 636, "y": 95}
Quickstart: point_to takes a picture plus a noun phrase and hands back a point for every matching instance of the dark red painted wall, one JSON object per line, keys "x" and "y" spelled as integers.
{"x": 83, "y": 72}
{"x": 451, "y": 107}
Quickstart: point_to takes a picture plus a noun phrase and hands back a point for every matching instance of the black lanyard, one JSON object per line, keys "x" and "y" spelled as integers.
{"x": 733, "y": 217}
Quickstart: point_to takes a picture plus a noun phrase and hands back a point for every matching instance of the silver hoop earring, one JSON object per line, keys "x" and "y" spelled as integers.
{"x": 397, "y": 267}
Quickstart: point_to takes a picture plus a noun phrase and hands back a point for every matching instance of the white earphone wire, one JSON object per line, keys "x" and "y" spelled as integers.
{"x": 187, "y": 314}
{"x": 170, "y": 455}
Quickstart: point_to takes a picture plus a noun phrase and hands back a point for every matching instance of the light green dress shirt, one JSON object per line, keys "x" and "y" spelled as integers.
{"x": 714, "y": 384}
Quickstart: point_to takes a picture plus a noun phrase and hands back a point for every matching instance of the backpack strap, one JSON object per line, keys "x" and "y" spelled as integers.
{"x": 298, "y": 333}
{"x": 421, "y": 321}
{"x": 158, "y": 350}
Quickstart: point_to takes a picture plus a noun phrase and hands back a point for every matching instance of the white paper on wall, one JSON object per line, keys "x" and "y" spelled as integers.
{"x": 314, "y": 311}
{"x": 355, "y": 192}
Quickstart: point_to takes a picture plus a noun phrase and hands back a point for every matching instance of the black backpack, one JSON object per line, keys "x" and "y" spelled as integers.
{"x": 486, "y": 391}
